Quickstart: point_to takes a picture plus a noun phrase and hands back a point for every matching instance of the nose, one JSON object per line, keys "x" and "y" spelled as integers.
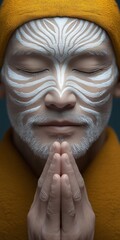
{"x": 55, "y": 102}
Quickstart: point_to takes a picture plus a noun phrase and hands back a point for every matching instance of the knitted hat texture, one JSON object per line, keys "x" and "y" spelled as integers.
{"x": 14, "y": 13}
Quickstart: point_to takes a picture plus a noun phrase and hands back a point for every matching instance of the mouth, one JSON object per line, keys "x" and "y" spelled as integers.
{"x": 60, "y": 124}
{"x": 61, "y": 128}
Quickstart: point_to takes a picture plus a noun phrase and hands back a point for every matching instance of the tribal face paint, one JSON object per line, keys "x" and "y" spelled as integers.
{"x": 59, "y": 69}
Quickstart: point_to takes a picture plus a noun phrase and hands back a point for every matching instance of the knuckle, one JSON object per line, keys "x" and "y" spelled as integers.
{"x": 49, "y": 212}
{"x": 71, "y": 212}
{"x": 52, "y": 194}
{"x": 43, "y": 196}
{"x": 77, "y": 196}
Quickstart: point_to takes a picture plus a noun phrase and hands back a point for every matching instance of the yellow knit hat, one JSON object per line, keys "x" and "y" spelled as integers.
{"x": 14, "y": 13}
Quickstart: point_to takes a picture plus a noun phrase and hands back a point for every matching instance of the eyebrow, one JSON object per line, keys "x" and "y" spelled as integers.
{"x": 99, "y": 54}
{"x": 26, "y": 52}
{"x": 90, "y": 52}
{"x": 94, "y": 52}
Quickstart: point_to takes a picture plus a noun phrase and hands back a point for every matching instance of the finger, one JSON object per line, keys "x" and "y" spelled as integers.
{"x": 67, "y": 168}
{"x": 65, "y": 148}
{"x": 53, "y": 169}
{"x": 55, "y": 148}
{"x": 68, "y": 209}
{"x": 53, "y": 208}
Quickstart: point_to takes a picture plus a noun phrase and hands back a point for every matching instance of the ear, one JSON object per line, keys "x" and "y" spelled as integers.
{"x": 116, "y": 91}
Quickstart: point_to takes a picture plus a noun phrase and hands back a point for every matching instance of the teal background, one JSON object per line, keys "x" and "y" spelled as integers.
{"x": 114, "y": 120}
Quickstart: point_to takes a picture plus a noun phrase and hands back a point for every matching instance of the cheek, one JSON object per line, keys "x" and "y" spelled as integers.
{"x": 27, "y": 91}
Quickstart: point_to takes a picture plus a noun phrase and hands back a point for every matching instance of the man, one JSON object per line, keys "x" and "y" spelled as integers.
{"x": 59, "y": 163}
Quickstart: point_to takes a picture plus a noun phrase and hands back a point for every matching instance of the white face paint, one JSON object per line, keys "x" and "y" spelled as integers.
{"x": 60, "y": 41}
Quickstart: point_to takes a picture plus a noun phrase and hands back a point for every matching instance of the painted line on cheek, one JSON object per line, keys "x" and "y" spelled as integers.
{"x": 19, "y": 85}
{"x": 88, "y": 83}
{"x": 25, "y": 113}
{"x": 13, "y": 75}
{"x": 31, "y": 110}
{"x": 86, "y": 100}
{"x": 102, "y": 76}
{"x": 33, "y": 100}
{"x": 88, "y": 110}
{"x": 36, "y": 91}
{"x": 85, "y": 92}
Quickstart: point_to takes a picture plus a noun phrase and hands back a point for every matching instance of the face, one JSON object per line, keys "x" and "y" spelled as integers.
{"x": 59, "y": 74}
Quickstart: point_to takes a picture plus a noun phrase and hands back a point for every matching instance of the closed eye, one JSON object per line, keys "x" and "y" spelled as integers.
{"x": 90, "y": 72}
{"x": 32, "y": 72}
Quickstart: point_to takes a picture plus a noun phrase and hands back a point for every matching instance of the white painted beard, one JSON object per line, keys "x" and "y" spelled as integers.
{"x": 40, "y": 149}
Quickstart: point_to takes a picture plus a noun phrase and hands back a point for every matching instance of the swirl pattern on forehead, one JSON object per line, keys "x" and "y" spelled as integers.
{"x": 60, "y": 39}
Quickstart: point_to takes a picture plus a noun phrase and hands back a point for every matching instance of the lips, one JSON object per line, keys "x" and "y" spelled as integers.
{"x": 59, "y": 124}
{"x": 60, "y": 128}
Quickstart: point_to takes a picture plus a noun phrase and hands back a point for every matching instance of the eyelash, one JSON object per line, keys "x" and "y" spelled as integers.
{"x": 33, "y": 73}
{"x": 97, "y": 71}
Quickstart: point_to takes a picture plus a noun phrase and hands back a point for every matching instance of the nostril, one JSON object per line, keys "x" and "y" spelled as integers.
{"x": 59, "y": 108}
{"x": 55, "y": 102}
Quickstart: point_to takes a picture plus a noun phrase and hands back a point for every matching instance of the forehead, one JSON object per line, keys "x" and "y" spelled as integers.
{"x": 59, "y": 38}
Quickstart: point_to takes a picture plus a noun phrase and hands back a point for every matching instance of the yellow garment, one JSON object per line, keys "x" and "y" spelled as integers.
{"x": 18, "y": 184}
{"x": 14, "y": 13}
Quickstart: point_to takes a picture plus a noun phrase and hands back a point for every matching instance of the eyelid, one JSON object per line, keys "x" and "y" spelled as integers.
{"x": 90, "y": 72}
{"x": 32, "y": 72}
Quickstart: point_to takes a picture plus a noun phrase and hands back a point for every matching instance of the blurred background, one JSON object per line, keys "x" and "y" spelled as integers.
{"x": 114, "y": 120}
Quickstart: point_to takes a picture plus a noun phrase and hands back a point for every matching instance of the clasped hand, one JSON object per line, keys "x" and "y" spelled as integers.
{"x": 61, "y": 209}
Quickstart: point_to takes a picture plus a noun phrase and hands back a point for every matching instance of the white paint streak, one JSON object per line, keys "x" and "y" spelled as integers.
{"x": 60, "y": 39}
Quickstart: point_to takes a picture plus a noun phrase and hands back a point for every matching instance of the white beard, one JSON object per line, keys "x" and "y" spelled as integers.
{"x": 40, "y": 149}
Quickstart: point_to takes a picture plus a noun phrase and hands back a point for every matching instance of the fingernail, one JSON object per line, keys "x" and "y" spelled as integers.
{"x": 66, "y": 179}
{"x": 56, "y": 158}
{"x": 55, "y": 177}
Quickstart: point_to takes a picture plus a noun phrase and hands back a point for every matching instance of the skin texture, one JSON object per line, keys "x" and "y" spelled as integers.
{"x": 55, "y": 70}
{"x": 63, "y": 77}
{"x": 61, "y": 200}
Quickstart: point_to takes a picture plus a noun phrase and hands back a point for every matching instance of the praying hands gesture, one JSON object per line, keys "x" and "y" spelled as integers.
{"x": 61, "y": 209}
